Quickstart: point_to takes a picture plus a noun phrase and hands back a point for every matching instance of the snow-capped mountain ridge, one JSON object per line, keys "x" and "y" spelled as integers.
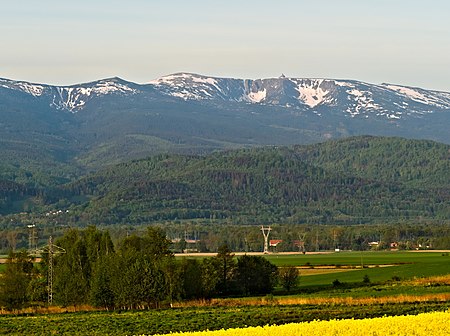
{"x": 189, "y": 86}
{"x": 30, "y": 88}
{"x": 73, "y": 97}
{"x": 353, "y": 98}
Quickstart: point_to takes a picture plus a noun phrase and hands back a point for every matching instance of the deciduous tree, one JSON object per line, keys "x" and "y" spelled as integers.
{"x": 15, "y": 280}
{"x": 288, "y": 277}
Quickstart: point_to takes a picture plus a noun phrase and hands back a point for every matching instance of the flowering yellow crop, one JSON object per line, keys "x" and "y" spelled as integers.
{"x": 429, "y": 324}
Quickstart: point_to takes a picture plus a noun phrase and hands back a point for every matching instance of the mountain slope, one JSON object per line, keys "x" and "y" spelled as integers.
{"x": 280, "y": 185}
{"x": 416, "y": 163}
{"x": 357, "y": 180}
{"x": 92, "y": 125}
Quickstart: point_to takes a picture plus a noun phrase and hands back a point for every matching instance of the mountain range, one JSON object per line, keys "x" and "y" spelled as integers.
{"x": 67, "y": 129}
{"x": 353, "y": 98}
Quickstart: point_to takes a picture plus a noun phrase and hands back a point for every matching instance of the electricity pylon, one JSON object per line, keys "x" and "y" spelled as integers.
{"x": 301, "y": 242}
{"x": 265, "y": 232}
{"x": 52, "y": 250}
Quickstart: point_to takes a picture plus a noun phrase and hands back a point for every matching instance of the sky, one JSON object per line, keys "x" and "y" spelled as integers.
{"x": 403, "y": 42}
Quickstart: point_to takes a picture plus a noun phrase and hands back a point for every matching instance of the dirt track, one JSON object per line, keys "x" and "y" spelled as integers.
{"x": 211, "y": 254}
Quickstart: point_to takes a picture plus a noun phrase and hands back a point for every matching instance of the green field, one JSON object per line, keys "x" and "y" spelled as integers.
{"x": 356, "y": 258}
{"x": 378, "y": 266}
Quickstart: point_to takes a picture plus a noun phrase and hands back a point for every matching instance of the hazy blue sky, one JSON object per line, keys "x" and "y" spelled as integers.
{"x": 67, "y": 42}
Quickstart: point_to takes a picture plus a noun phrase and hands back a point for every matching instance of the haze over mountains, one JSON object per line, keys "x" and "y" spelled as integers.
{"x": 113, "y": 120}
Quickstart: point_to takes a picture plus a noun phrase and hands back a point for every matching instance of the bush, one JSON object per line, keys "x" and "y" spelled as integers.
{"x": 366, "y": 279}
{"x": 336, "y": 283}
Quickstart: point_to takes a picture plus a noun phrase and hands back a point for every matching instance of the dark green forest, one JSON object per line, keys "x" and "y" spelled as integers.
{"x": 359, "y": 180}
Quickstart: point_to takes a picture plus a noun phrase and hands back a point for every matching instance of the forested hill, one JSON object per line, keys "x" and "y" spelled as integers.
{"x": 356, "y": 180}
{"x": 416, "y": 163}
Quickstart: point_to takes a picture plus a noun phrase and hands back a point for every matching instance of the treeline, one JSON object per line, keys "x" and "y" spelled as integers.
{"x": 310, "y": 238}
{"x": 204, "y": 236}
{"x": 141, "y": 272}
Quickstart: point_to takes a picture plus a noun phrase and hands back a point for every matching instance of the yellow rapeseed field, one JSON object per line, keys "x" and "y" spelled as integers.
{"x": 429, "y": 324}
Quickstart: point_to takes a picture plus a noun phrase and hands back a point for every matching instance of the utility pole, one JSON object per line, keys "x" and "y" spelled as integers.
{"x": 266, "y": 232}
{"x": 32, "y": 239}
{"x": 50, "y": 270}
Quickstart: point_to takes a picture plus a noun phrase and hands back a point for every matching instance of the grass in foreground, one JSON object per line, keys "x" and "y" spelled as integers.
{"x": 199, "y": 318}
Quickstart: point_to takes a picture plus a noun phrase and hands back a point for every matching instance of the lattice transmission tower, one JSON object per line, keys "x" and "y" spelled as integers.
{"x": 266, "y": 232}
{"x": 52, "y": 250}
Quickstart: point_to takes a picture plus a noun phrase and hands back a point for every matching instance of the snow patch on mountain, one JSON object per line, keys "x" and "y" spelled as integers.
{"x": 361, "y": 101}
{"x": 189, "y": 86}
{"x": 169, "y": 79}
{"x": 343, "y": 83}
{"x": 434, "y": 98}
{"x": 257, "y": 97}
{"x": 74, "y": 98}
{"x": 413, "y": 94}
{"x": 311, "y": 93}
{"x": 186, "y": 95}
{"x": 107, "y": 86}
{"x": 181, "y": 79}
{"x": 208, "y": 80}
{"x": 35, "y": 90}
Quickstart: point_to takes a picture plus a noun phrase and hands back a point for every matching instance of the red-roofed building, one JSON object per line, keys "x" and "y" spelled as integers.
{"x": 274, "y": 242}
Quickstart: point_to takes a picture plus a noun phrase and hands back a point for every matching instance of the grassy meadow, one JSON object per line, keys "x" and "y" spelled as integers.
{"x": 351, "y": 267}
